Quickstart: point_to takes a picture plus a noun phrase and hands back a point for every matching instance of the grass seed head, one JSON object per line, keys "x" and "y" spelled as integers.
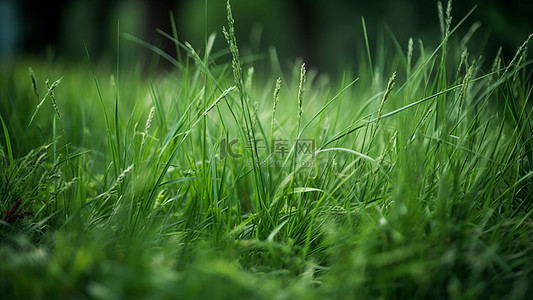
{"x": 445, "y": 18}
{"x": 409, "y": 52}
{"x": 464, "y": 59}
{"x": 254, "y": 114}
{"x": 148, "y": 123}
{"x": 276, "y": 92}
{"x": 120, "y": 179}
{"x": 390, "y": 87}
{"x": 441, "y": 18}
{"x": 276, "y": 100}
{"x": 301, "y": 90}
{"x": 34, "y": 83}
{"x": 52, "y": 96}
{"x": 464, "y": 87}
{"x": 448, "y": 17}
{"x": 229, "y": 34}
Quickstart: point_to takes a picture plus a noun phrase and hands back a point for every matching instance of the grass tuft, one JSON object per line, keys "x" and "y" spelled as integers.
{"x": 415, "y": 187}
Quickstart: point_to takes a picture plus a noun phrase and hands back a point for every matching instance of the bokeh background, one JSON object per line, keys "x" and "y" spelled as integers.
{"x": 325, "y": 33}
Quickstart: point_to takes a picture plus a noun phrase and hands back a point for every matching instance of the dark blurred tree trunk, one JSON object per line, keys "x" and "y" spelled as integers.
{"x": 158, "y": 16}
{"x": 305, "y": 19}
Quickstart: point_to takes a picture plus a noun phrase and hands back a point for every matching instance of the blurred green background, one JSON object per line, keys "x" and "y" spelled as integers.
{"x": 327, "y": 34}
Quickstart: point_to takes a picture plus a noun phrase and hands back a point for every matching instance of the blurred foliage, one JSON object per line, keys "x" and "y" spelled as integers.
{"x": 312, "y": 30}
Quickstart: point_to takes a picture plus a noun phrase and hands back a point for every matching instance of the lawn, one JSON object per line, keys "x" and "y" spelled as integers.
{"x": 407, "y": 176}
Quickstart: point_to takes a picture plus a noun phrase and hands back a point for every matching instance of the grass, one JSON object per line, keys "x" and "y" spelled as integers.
{"x": 410, "y": 177}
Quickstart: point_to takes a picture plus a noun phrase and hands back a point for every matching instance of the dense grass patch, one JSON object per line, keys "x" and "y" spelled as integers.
{"x": 408, "y": 177}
